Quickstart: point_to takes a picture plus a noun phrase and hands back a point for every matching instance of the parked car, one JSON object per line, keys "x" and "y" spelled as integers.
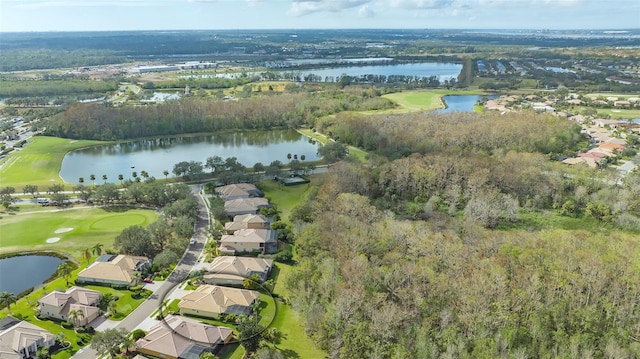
{"x": 192, "y": 241}
{"x": 148, "y": 280}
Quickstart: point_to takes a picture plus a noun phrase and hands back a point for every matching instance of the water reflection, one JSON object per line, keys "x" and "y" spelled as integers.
{"x": 159, "y": 154}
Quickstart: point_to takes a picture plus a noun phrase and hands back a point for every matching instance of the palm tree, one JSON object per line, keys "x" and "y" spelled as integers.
{"x": 86, "y": 254}
{"x": 93, "y": 178}
{"x": 65, "y": 269}
{"x": 303, "y": 157}
{"x": 136, "y": 277}
{"x": 75, "y": 317}
{"x": 7, "y": 298}
{"x": 111, "y": 307}
{"x": 288, "y": 156}
{"x": 166, "y": 174}
{"x": 97, "y": 249}
{"x": 144, "y": 174}
{"x": 120, "y": 178}
{"x": 81, "y": 180}
{"x": 104, "y": 178}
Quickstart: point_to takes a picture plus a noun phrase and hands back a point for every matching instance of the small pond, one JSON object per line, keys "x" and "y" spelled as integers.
{"x": 461, "y": 103}
{"x": 19, "y": 273}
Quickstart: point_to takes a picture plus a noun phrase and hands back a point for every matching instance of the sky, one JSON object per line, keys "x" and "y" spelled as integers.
{"x": 110, "y": 15}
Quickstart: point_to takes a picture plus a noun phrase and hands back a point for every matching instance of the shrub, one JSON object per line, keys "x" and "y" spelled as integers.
{"x": 137, "y": 334}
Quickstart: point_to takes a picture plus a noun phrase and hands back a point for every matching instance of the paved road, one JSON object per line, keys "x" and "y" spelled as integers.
{"x": 180, "y": 273}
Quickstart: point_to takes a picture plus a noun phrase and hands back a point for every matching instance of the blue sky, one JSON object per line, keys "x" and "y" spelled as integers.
{"x": 88, "y": 15}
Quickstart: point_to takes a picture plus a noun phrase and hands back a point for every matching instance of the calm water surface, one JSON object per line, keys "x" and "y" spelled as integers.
{"x": 157, "y": 155}
{"x": 444, "y": 71}
{"x": 22, "y": 272}
{"x": 460, "y": 103}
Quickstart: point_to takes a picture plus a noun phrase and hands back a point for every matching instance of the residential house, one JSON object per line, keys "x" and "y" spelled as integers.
{"x": 249, "y": 240}
{"x": 58, "y": 304}
{"x": 183, "y": 338}
{"x": 240, "y": 206}
{"x": 114, "y": 270}
{"x": 247, "y": 221}
{"x": 20, "y": 339}
{"x": 212, "y": 301}
{"x": 238, "y": 190}
{"x": 231, "y": 270}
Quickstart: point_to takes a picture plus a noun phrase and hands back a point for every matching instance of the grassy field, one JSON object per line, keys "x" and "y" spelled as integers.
{"x": 38, "y": 163}
{"x": 289, "y": 323}
{"x": 287, "y": 197}
{"x": 616, "y": 114}
{"x": 421, "y": 100}
{"x": 77, "y": 228}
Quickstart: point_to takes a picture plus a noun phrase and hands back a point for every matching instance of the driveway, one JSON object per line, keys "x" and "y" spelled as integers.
{"x": 163, "y": 289}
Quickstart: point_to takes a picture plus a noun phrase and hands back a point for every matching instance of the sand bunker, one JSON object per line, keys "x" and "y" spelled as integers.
{"x": 63, "y": 230}
{"x": 53, "y": 240}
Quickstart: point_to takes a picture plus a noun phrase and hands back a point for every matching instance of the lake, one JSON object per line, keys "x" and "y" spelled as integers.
{"x": 444, "y": 71}
{"x": 461, "y": 103}
{"x": 23, "y": 272}
{"x": 159, "y": 154}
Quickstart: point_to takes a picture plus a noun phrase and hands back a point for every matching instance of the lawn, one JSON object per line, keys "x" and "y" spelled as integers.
{"x": 289, "y": 323}
{"x": 77, "y": 228}
{"x": 39, "y": 162}
{"x": 619, "y": 113}
{"x": 541, "y": 220}
{"x": 125, "y": 304}
{"x": 287, "y": 197}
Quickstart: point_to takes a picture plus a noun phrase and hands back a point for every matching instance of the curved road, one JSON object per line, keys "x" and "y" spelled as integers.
{"x": 179, "y": 274}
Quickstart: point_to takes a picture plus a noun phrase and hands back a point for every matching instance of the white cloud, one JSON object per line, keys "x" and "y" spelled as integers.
{"x": 305, "y": 7}
{"x": 366, "y": 11}
{"x": 422, "y": 4}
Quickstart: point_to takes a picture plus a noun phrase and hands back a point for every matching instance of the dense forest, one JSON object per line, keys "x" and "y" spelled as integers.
{"x": 192, "y": 115}
{"x": 448, "y": 244}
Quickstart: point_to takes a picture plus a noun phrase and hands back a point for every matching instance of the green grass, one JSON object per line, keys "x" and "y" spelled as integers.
{"x": 90, "y": 226}
{"x": 125, "y": 304}
{"x": 315, "y": 135}
{"x": 288, "y": 321}
{"x": 39, "y": 162}
{"x": 267, "y": 311}
{"x": 420, "y": 100}
{"x": 619, "y": 113}
{"x": 287, "y": 197}
{"x": 530, "y": 220}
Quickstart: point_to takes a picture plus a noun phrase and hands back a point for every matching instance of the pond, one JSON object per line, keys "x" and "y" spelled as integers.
{"x": 157, "y": 155}
{"x": 23, "y": 272}
{"x": 461, "y": 103}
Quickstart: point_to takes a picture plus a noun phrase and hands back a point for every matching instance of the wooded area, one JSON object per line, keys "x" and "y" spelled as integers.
{"x": 193, "y": 115}
{"x": 428, "y": 255}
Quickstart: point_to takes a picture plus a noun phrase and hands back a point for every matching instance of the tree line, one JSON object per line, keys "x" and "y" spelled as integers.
{"x": 192, "y": 115}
